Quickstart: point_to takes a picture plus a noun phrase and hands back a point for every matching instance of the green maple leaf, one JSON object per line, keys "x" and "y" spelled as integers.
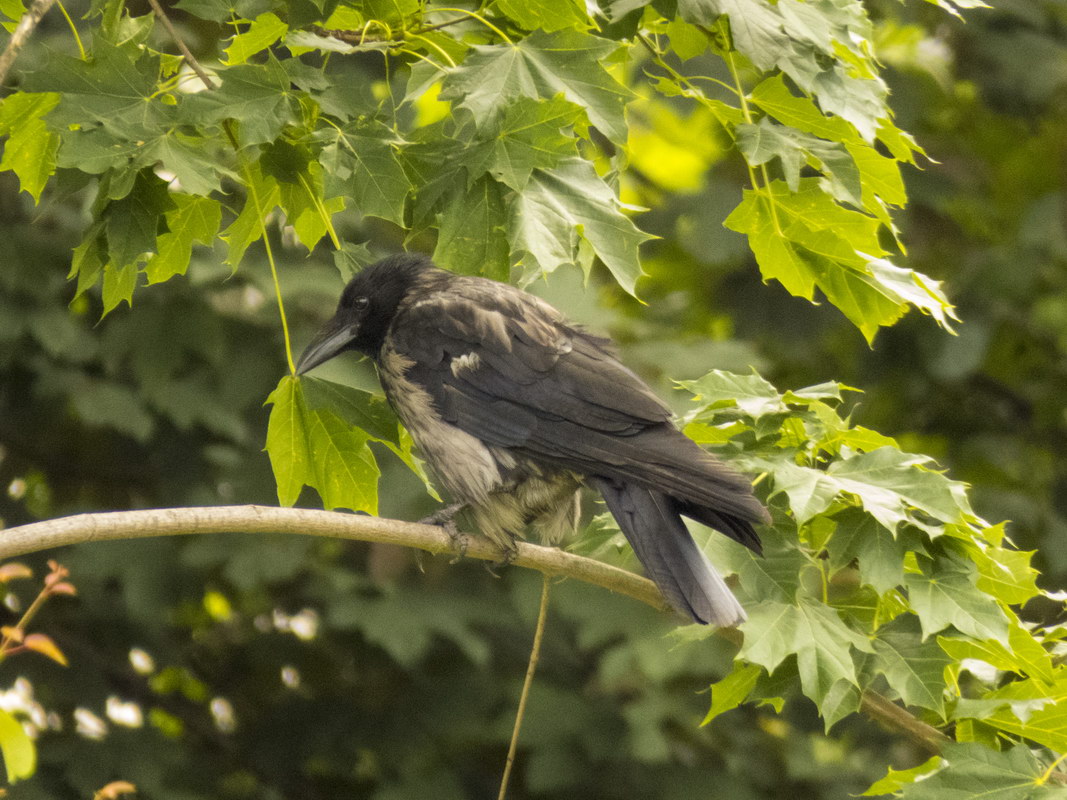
{"x": 193, "y": 219}
{"x": 944, "y": 595}
{"x": 806, "y": 42}
{"x": 301, "y": 190}
{"x": 542, "y": 65}
{"x": 258, "y": 97}
{"x": 30, "y": 149}
{"x": 732, "y": 690}
{"x": 568, "y": 205}
{"x": 262, "y": 195}
{"x": 879, "y": 552}
{"x": 360, "y": 161}
{"x": 546, "y": 15}
{"x": 814, "y": 633}
{"x": 804, "y": 239}
{"x": 264, "y": 31}
{"x": 888, "y": 481}
{"x": 914, "y": 668}
{"x": 472, "y": 236}
{"x": 132, "y": 222}
{"x": 318, "y": 448}
{"x": 972, "y": 770}
{"x": 528, "y": 137}
{"x": 897, "y": 779}
{"x": 775, "y": 575}
{"x": 370, "y": 413}
{"x": 112, "y": 88}
{"x": 752, "y": 393}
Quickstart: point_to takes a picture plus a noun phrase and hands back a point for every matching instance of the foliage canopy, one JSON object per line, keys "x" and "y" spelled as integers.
{"x": 513, "y": 140}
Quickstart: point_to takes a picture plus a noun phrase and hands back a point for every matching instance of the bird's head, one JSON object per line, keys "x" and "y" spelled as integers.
{"x": 367, "y": 307}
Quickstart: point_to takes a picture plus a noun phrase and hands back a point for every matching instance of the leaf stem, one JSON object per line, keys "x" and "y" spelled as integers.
{"x": 686, "y": 81}
{"x": 1048, "y": 773}
{"x": 746, "y": 112}
{"x": 481, "y": 19}
{"x": 58, "y": 573}
{"x": 321, "y": 209}
{"x": 531, "y": 667}
{"x": 187, "y": 54}
{"x": 421, "y": 57}
{"x": 73, "y": 29}
{"x": 260, "y": 214}
{"x": 432, "y": 44}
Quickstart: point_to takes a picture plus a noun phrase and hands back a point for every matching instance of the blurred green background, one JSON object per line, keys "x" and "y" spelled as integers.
{"x": 272, "y": 667}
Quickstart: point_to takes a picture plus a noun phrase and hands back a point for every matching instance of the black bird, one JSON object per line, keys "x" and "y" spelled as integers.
{"x": 514, "y": 408}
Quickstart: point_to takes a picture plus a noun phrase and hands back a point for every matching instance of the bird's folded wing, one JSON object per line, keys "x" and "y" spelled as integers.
{"x": 505, "y": 368}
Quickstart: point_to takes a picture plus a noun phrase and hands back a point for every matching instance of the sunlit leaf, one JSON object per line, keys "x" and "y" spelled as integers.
{"x": 19, "y": 751}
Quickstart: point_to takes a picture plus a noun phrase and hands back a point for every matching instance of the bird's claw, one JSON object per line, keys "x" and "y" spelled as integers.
{"x": 508, "y": 555}
{"x": 460, "y": 541}
{"x": 444, "y": 518}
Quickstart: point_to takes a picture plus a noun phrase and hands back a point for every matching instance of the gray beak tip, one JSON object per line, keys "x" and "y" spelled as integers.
{"x": 329, "y": 342}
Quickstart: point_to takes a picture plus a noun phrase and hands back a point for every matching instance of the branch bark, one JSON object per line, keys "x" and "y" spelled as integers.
{"x": 187, "y": 54}
{"x": 27, "y": 25}
{"x": 117, "y": 525}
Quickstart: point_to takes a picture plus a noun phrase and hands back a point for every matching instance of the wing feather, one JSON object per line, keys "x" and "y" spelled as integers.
{"x": 504, "y": 366}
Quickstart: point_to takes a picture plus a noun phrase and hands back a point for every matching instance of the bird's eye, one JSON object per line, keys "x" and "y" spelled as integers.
{"x": 361, "y": 303}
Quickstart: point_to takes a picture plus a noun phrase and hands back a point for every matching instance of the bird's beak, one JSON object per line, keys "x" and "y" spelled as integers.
{"x": 328, "y": 342}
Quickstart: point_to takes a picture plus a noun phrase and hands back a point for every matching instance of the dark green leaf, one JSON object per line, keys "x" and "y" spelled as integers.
{"x": 821, "y": 641}
{"x": 565, "y": 206}
{"x": 546, "y": 15}
{"x": 360, "y": 162}
{"x": 914, "y": 668}
{"x": 540, "y": 66}
{"x": 473, "y": 239}
{"x": 132, "y": 222}
{"x": 944, "y": 596}
{"x": 258, "y": 98}
{"x": 971, "y": 770}
{"x": 528, "y": 137}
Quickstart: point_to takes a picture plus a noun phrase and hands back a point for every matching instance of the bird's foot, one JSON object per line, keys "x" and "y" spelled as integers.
{"x": 443, "y": 515}
{"x": 509, "y": 554}
{"x": 444, "y": 518}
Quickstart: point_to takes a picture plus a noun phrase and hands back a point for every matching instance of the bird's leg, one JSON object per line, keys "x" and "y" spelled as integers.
{"x": 509, "y": 554}
{"x": 444, "y": 518}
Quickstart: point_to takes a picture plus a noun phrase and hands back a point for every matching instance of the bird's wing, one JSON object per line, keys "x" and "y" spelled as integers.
{"x": 503, "y": 366}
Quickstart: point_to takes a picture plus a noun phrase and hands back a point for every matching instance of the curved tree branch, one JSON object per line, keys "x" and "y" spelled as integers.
{"x": 114, "y": 525}
{"x": 117, "y": 525}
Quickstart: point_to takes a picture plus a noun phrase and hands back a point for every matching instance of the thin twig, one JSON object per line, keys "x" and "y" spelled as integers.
{"x": 890, "y": 714}
{"x": 21, "y": 35}
{"x": 190, "y": 59}
{"x": 119, "y": 525}
{"x": 531, "y": 668}
{"x": 360, "y": 37}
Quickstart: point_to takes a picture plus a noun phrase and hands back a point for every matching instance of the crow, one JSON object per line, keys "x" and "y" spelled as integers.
{"x": 514, "y": 409}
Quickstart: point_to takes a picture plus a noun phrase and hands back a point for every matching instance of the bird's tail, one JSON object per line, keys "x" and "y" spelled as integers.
{"x": 653, "y": 525}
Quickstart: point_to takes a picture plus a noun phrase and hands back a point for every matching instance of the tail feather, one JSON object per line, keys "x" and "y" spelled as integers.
{"x": 652, "y": 524}
{"x": 740, "y": 530}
